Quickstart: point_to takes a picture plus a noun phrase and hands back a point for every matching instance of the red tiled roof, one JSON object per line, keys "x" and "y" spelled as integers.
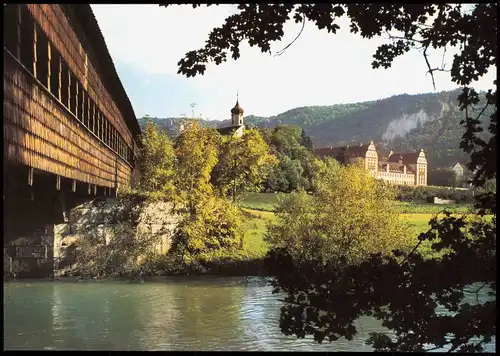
{"x": 351, "y": 151}
{"x": 407, "y": 158}
{"x": 326, "y": 151}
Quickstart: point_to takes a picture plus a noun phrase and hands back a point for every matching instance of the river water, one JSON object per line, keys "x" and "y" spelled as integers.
{"x": 181, "y": 313}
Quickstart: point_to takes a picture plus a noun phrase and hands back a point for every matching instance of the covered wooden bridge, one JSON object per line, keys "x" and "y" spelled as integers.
{"x": 69, "y": 129}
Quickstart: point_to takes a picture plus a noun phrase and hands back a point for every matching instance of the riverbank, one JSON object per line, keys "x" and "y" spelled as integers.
{"x": 235, "y": 268}
{"x": 247, "y": 261}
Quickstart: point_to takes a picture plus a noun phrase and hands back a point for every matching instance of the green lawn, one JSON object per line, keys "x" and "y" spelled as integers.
{"x": 260, "y": 201}
{"x": 267, "y": 202}
{"x": 414, "y": 208}
{"x": 260, "y": 207}
{"x": 255, "y": 227}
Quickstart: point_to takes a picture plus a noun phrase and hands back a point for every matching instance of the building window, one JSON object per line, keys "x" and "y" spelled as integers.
{"x": 85, "y": 108}
{"x": 90, "y": 113}
{"x": 55, "y": 57}
{"x": 106, "y": 130}
{"x": 64, "y": 84}
{"x": 27, "y": 39}
{"x": 11, "y": 19}
{"x": 97, "y": 121}
{"x": 110, "y": 136}
{"x": 73, "y": 93}
{"x": 80, "y": 103}
{"x": 103, "y": 127}
{"x": 113, "y": 144}
{"x": 42, "y": 57}
{"x": 94, "y": 118}
{"x": 100, "y": 123}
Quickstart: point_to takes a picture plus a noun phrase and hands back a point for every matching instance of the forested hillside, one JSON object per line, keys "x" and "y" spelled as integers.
{"x": 401, "y": 123}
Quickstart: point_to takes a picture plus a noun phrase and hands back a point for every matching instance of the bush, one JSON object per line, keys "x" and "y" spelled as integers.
{"x": 156, "y": 161}
{"x": 214, "y": 225}
{"x": 351, "y": 216}
{"x": 407, "y": 193}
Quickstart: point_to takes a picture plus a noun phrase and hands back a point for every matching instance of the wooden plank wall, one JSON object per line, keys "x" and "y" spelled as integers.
{"x": 40, "y": 132}
{"x": 61, "y": 34}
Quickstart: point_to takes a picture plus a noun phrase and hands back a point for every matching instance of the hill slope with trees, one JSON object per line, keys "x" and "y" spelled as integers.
{"x": 402, "y": 123}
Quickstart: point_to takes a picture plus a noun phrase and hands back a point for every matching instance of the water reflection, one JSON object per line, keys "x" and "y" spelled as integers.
{"x": 176, "y": 314}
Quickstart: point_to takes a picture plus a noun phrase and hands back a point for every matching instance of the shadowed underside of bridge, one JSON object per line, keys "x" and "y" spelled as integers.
{"x": 69, "y": 129}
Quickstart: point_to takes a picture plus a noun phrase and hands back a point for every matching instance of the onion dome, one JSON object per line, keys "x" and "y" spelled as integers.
{"x": 237, "y": 109}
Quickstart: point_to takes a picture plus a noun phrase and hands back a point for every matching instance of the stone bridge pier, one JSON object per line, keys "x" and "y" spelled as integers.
{"x": 35, "y": 203}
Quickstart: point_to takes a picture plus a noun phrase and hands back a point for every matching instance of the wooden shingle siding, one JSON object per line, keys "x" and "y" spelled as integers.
{"x": 66, "y": 42}
{"x": 50, "y": 140}
{"x": 54, "y": 101}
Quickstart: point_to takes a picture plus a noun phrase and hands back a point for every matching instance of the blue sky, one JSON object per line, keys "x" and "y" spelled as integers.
{"x": 147, "y": 41}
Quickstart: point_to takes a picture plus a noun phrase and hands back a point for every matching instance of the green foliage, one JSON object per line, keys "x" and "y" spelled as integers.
{"x": 324, "y": 300}
{"x": 196, "y": 154}
{"x": 171, "y": 125}
{"x": 286, "y": 140}
{"x": 156, "y": 161}
{"x": 286, "y": 176}
{"x": 339, "y": 124}
{"x": 350, "y": 217}
{"x": 445, "y": 177}
{"x": 412, "y": 208}
{"x": 269, "y": 201}
{"x": 214, "y": 225}
{"x": 322, "y": 169}
{"x": 242, "y": 164}
{"x": 407, "y": 193}
{"x": 293, "y": 150}
{"x": 259, "y": 201}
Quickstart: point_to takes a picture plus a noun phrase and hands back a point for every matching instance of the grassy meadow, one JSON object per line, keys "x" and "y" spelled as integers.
{"x": 259, "y": 210}
{"x": 267, "y": 202}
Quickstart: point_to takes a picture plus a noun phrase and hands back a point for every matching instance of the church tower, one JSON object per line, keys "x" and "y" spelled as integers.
{"x": 237, "y": 114}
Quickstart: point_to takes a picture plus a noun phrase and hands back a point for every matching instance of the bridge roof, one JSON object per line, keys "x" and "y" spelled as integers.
{"x": 86, "y": 18}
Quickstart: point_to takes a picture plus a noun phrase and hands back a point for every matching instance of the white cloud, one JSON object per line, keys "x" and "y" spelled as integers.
{"x": 318, "y": 69}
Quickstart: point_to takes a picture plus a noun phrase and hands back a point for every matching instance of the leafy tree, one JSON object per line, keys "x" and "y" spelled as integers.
{"x": 404, "y": 294}
{"x": 286, "y": 139}
{"x": 286, "y": 176}
{"x": 293, "y": 169}
{"x": 210, "y": 223}
{"x": 156, "y": 161}
{"x": 196, "y": 154}
{"x": 306, "y": 141}
{"x": 349, "y": 217}
{"x": 417, "y": 26}
{"x": 445, "y": 177}
{"x": 266, "y": 136}
{"x": 242, "y": 164}
{"x": 216, "y": 225}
